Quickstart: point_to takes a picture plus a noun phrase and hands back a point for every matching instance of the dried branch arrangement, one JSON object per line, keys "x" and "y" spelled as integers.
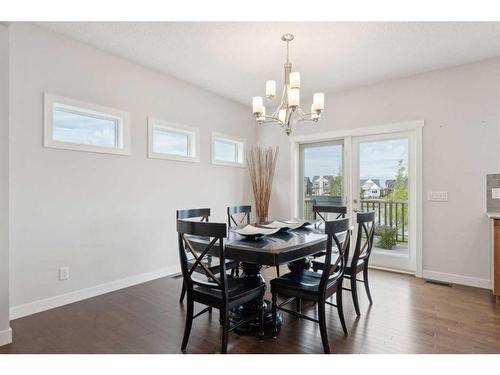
{"x": 261, "y": 162}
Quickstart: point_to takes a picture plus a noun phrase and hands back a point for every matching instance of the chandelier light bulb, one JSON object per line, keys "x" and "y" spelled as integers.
{"x": 314, "y": 113}
{"x": 262, "y": 116}
{"x": 257, "y": 104}
{"x": 295, "y": 80}
{"x": 319, "y": 101}
{"x": 293, "y": 97}
{"x": 270, "y": 89}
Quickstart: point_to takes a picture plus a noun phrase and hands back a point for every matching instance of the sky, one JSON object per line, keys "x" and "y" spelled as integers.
{"x": 83, "y": 129}
{"x": 377, "y": 160}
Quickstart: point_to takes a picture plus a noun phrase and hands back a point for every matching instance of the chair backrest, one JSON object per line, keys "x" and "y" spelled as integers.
{"x": 320, "y": 211}
{"x": 202, "y": 213}
{"x": 365, "y": 236}
{"x": 339, "y": 234}
{"x": 216, "y": 232}
{"x": 233, "y": 221}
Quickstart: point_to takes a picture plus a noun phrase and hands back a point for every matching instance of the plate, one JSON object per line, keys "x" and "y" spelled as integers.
{"x": 252, "y": 231}
{"x": 285, "y": 225}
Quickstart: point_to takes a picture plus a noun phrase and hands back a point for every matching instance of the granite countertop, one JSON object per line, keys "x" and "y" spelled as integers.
{"x": 493, "y": 215}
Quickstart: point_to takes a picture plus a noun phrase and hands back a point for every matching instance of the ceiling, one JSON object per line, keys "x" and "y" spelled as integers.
{"x": 234, "y": 59}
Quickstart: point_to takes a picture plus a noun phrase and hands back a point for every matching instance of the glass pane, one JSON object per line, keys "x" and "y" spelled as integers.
{"x": 84, "y": 129}
{"x": 226, "y": 151}
{"x": 383, "y": 174}
{"x": 170, "y": 142}
{"x": 323, "y": 180}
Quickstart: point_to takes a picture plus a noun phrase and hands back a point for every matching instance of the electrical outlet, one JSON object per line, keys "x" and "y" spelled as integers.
{"x": 437, "y": 196}
{"x": 63, "y": 273}
{"x": 495, "y": 193}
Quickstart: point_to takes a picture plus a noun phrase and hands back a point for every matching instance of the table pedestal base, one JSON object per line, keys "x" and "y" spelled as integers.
{"x": 253, "y": 308}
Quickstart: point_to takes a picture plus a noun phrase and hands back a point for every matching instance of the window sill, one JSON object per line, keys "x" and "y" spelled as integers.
{"x": 188, "y": 159}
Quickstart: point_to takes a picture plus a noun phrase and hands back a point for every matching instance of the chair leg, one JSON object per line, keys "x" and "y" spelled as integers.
{"x": 340, "y": 309}
{"x": 322, "y": 326}
{"x": 262, "y": 313}
{"x": 233, "y": 271}
{"x": 367, "y": 286}
{"x": 183, "y": 292}
{"x": 237, "y": 269}
{"x": 225, "y": 330}
{"x": 354, "y": 292}
{"x": 275, "y": 313}
{"x": 298, "y": 306}
{"x": 278, "y": 271}
{"x": 189, "y": 323}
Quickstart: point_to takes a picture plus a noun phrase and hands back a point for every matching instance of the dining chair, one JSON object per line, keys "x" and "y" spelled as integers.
{"x": 360, "y": 258}
{"x": 212, "y": 263}
{"x": 314, "y": 286}
{"x": 235, "y": 221}
{"x": 322, "y": 212}
{"x": 223, "y": 292}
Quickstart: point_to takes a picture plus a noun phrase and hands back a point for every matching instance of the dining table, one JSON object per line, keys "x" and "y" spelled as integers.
{"x": 291, "y": 247}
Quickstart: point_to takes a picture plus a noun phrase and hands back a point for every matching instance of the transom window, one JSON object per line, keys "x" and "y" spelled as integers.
{"x": 73, "y": 125}
{"x": 228, "y": 150}
{"x": 173, "y": 141}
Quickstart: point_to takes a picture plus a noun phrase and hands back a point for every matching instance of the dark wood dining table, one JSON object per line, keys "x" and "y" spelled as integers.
{"x": 291, "y": 247}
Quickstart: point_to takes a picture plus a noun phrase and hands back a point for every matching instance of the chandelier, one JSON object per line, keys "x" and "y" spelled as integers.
{"x": 288, "y": 111}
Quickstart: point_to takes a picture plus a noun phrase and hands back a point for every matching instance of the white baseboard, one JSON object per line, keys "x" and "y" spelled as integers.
{"x": 6, "y": 336}
{"x": 457, "y": 279}
{"x": 395, "y": 270}
{"x": 78, "y": 295}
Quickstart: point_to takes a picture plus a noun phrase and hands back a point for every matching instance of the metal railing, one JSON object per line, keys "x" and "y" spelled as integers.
{"x": 387, "y": 212}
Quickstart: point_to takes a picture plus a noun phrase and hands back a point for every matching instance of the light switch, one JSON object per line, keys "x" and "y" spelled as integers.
{"x": 437, "y": 196}
{"x": 495, "y": 193}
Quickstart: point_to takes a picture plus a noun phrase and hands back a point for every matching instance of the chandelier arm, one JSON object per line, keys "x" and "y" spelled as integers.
{"x": 307, "y": 117}
{"x": 269, "y": 119}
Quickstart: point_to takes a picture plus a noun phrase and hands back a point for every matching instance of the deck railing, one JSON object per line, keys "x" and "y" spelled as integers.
{"x": 387, "y": 212}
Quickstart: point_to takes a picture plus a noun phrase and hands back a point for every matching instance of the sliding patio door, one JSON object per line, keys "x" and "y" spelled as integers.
{"x": 383, "y": 180}
{"x": 321, "y": 176}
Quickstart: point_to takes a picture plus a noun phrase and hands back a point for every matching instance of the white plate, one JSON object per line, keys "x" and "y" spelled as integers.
{"x": 283, "y": 225}
{"x": 250, "y": 230}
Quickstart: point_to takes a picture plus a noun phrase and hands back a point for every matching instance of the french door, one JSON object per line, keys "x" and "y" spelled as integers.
{"x": 383, "y": 181}
{"x": 374, "y": 173}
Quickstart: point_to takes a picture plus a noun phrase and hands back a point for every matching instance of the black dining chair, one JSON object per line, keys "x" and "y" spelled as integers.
{"x": 223, "y": 292}
{"x": 244, "y": 216}
{"x": 314, "y": 286}
{"x": 360, "y": 258}
{"x": 211, "y": 263}
{"x": 321, "y": 213}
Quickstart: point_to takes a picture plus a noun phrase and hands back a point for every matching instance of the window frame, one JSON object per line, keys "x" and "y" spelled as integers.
{"x": 52, "y": 102}
{"x": 193, "y": 140}
{"x": 240, "y": 150}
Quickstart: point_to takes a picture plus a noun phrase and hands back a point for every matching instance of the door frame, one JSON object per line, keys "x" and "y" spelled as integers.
{"x": 413, "y": 127}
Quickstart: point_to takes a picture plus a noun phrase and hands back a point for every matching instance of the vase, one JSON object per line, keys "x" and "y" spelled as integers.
{"x": 261, "y": 219}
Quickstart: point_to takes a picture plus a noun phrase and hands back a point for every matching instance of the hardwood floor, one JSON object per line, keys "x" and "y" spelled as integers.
{"x": 408, "y": 316}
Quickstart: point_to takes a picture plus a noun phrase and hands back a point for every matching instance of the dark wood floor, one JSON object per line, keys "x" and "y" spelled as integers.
{"x": 408, "y": 316}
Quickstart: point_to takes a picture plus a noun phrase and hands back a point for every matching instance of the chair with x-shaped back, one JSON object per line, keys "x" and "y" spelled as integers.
{"x": 315, "y": 286}
{"x": 223, "y": 292}
{"x": 212, "y": 263}
{"x": 322, "y": 214}
{"x": 360, "y": 258}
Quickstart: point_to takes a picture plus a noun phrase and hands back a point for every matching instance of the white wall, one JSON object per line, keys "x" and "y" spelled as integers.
{"x": 107, "y": 217}
{"x": 5, "y": 332}
{"x": 461, "y": 109}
